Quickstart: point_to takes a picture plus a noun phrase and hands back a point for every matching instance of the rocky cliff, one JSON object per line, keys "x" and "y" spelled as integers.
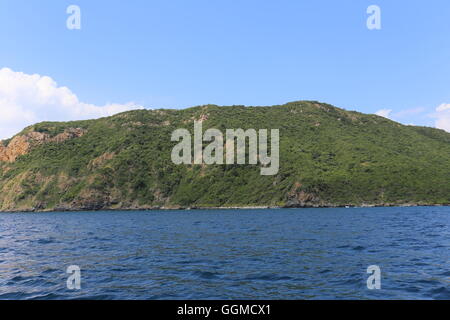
{"x": 22, "y": 144}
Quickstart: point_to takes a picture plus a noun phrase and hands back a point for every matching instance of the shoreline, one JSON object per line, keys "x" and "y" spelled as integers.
{"x": 176, "y": 208}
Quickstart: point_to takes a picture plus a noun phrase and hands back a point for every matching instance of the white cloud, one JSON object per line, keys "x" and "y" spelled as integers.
{"x": 443, "y": 107}
{"x": 384, "y": 113}
{"x": 26, "y": 99}
{"x": 408, "y": 112}
{"x": 442, "y": 116}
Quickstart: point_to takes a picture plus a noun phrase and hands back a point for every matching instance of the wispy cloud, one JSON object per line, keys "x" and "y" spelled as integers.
{"x": 408, "y": 112}
{"x": 26, "y": 99}
{"x": 384, "y": 113}
{"x": 406, "y": 116}
{"x": 399, "y": 115}
{"x": 442, "y": 117}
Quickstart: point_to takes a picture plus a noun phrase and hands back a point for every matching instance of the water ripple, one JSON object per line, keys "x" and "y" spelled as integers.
{"x": 227, "y": 254}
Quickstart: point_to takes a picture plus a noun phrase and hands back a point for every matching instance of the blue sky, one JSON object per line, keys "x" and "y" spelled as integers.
{"x": 176, "y": 54}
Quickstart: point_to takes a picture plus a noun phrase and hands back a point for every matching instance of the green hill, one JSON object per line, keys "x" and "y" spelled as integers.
{"x": 328, "y": 157}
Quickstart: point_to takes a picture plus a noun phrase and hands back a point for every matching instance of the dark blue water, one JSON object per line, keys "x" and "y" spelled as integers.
{"x": 227, "y": 254}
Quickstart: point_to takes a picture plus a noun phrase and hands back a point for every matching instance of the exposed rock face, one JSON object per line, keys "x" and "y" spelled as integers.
{"x": 97, "y": 162}
{"x": 37, "y": 137}
{"x": 17, "y": 147}
{"x": 21, "y": 145}
{"x": 70, "y": 133}
{"x": 303, "y": 199}
{"x": 298, "y": 198}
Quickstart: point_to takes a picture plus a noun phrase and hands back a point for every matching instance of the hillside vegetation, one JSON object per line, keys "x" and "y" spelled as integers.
{"x": 328, "y": 157}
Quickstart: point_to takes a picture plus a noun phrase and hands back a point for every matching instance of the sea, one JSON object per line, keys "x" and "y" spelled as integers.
{"x": 334, "y": 253}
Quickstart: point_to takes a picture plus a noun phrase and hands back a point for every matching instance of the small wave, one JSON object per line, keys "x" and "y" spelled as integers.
{"x": 441, "y": 293}
{"x": 193, "y": 261}
{"x": 206, "y": 274}
{"x": 46, "y": 241}
{"x": 325, "y": 271}
{"x": 48, "y": 296}
{"x": 49, "y": 270}
{"x": 18, "y": 279}
{"x": 268, "y": 277}
{"x": 13, "y": 296}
